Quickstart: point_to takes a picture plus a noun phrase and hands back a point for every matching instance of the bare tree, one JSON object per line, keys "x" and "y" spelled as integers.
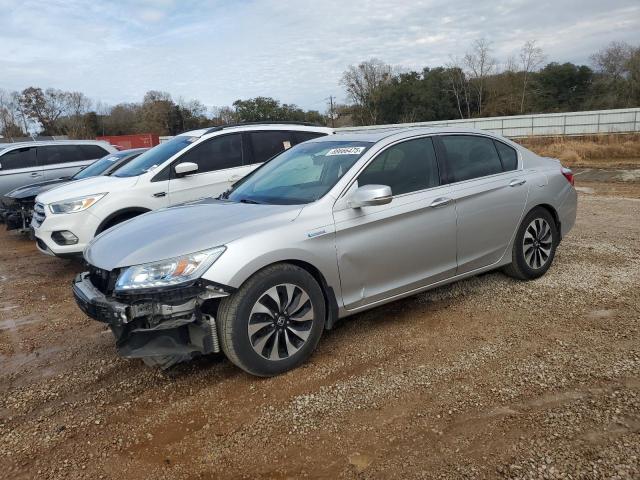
{"x": 10, "y": 115}
{"x": 531, "y": 57}
{"x": 480, "y": 65}
{"x": 364, "y": 83}
{"x": 44, "y": 107}
{"x": 459, "y": 84}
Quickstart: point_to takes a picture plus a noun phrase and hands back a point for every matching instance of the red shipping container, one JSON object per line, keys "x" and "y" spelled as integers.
{"x": 125, "y": 142}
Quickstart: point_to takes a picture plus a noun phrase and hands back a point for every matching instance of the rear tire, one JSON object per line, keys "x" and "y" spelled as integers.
{"x": 534, "y": 246}
{"x": 274, "y": 322}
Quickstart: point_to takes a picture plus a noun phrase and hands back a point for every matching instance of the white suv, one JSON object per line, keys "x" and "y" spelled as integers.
{"x": 192, "y": 165}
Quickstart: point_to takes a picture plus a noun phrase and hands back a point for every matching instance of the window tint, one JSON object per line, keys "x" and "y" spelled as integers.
{"x": 216, "y": 154}
{"x": 304, "y": 136}
{"x": 91, "y": 152}
{"x": 55, "y": 154}
{"x": 20, "y": 158}
{"x": 268, "y": 143}
{"x": 470, "y": 157}
{"x": 508, "y": 156}
{"x": 406, "y": 167}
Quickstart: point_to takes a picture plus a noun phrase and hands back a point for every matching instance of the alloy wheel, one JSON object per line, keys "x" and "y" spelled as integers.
{"x": 537, "y": 243}
{"x": 280, "y": 321}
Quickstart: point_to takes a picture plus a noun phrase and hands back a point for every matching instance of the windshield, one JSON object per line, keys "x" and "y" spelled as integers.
{"x": 154, "y": 157}
{"x": 300, "y": 175}
{"x": 99, "y": 166}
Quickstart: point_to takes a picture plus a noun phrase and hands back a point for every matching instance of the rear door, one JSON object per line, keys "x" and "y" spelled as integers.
{"x": 219, "y": 160}
{"x": 392, "y": 249}
{"x": 65, "y": 160}
{"x": 19, "y": 167}
{"x": 490, "y": 194}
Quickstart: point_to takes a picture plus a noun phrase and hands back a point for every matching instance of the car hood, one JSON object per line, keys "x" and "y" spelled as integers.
{"x": 35, "y": 189}
{"x": 88, "y": 186}
{"x": 179, "y": 230}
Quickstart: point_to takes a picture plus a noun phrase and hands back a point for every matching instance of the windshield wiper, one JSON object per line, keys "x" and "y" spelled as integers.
{"x": 248, "y": 200}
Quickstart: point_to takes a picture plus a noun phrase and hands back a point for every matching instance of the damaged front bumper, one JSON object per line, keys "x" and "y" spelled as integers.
{"x": 161, "y": 328}
{"x": 17, "y": 215}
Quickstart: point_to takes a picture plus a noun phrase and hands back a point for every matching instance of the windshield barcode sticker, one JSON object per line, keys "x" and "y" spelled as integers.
{"x": 345, "y": 151}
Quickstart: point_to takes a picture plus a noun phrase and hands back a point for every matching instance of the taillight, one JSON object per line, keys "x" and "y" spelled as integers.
{"x": 568, "y": 174}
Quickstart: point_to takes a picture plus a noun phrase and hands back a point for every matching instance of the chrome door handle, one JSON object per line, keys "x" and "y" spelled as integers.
{"x": 517, "y": 182}
{"x": 160, "y": 194}
{"x": 440, "y": 202}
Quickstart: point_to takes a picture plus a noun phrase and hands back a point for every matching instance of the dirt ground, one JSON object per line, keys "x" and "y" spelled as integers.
{"x": 486, "y": 378}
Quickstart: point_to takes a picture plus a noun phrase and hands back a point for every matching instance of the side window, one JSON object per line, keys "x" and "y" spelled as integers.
{"x": 91, "y": 152}
{"x": 406, "y": 167}
{"x": 55, "y": 154}
{"x": 508, "y": 156}
{"x": 470, "y": 157}
{"x": 268, "y": 143}
{"x": 304, "y": 136}
{"x": 216, "y": 154}
{"x": 19, "y": 158}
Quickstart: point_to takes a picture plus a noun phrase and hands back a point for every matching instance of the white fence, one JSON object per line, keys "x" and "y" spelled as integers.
{"x": 626, "y": 120}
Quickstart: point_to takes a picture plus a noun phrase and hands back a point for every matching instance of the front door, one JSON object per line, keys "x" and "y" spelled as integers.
{"x": 220, "y": 163}
{"x": 392, "y": 249}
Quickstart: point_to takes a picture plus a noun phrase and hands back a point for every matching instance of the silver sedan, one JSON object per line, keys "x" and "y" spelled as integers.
{"x": 329, "y": 228}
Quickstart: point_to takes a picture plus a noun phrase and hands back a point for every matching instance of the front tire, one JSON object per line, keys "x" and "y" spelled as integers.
{"x": 274, "y": 321}
{"x": 534, "y": 246}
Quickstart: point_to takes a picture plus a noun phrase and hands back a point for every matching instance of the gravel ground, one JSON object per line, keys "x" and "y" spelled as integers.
{"x": 486, "y": 378}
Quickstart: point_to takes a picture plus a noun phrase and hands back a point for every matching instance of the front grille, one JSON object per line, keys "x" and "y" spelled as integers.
{"x": 39, "y": 214}
{"x": 103, "y": 280}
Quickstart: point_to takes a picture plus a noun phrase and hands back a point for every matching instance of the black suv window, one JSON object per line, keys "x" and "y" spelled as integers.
{"x": 91, "y": 152}
{"x": 508, "y": 156}
{"x": 18, "y": 158}
{"x": 406, "y": 167}
{"x": 216, "y": 154}
{"x": 304, "y": 136}
{"x": 54, "y": 154}
{"x": 469, "y": 156}
{"x": 267, "y": 143}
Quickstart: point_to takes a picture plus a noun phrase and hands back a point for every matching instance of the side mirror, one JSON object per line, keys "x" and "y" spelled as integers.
{"x": 370, "y": 196}
{"x": 185, "y": 168}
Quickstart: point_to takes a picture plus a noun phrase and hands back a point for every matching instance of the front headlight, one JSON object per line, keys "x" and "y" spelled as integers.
{"x": 74, "y": 205}
{"x": 171, "y": 272}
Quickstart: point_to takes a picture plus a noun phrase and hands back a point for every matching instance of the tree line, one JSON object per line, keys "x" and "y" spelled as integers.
{"x": 475, "y": 84}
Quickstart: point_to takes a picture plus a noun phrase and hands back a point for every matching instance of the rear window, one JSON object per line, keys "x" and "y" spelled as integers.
{"x": 267, "y": 143}
{"x": 470, "y": 156}
{"x": 19, "y": 158}
{"x": 56, "y": 154}
{"x": 90, "y": 152}
{"x": 508, "y": 156}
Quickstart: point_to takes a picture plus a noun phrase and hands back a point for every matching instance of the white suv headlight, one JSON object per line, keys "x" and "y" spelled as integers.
{"x": 165, "y": 273}
{"x": 74, "y": 205}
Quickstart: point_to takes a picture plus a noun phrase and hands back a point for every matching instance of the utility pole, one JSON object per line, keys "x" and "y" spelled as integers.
{"x": 331, "y": 112}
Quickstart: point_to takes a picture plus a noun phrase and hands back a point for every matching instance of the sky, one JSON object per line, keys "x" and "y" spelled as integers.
{"x": 294, "y": 50}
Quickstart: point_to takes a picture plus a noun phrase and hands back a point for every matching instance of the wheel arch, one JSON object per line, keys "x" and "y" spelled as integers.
{"x": 119, "y": 213}
{"x": 331, "y": 302}
{"x": 554, "y": 214}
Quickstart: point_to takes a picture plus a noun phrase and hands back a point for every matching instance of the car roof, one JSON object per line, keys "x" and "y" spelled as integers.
{"x": 376, "y": 134}
{"x": 37, "y": 143}
{"x": 242, "y": 127}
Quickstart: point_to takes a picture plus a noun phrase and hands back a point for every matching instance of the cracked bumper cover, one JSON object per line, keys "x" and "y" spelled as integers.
{"x": 155, "y": 325}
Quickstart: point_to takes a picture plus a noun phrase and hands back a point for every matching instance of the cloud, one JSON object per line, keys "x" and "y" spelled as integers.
{"x": 294, "y": 50}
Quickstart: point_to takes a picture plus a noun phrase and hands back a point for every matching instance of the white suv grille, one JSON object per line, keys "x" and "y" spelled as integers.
{"x": 39, "y": 214}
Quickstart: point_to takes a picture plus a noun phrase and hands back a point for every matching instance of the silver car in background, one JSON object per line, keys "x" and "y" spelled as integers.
{"x": 24, "y": 163}
{"x": 329, "y": 228}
